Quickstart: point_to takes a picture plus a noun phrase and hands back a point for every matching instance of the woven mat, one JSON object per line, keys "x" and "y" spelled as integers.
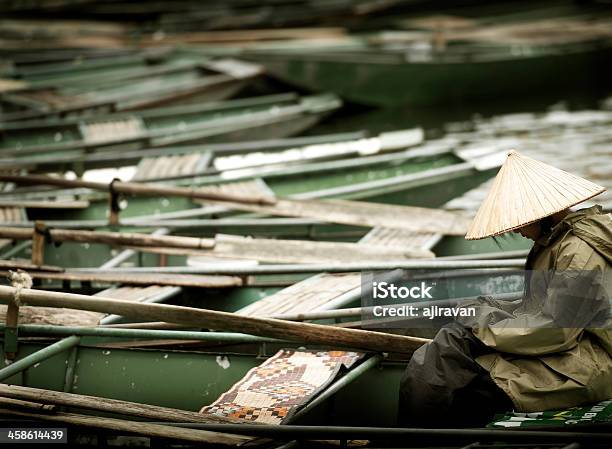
{"x": 273, "y": 391}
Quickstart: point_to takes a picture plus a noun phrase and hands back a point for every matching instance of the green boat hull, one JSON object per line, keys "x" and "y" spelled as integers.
{"x": 430, "y": 192}
{"x": 415, "y": 84}
{"x": 142, "y": 376}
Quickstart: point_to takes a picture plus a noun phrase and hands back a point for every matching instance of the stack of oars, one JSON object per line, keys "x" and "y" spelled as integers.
{"x": 39, "y": 404}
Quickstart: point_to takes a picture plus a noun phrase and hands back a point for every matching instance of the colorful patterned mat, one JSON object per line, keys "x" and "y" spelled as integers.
{"x": 592, "y": 414}
{"x": 273, "y": 391}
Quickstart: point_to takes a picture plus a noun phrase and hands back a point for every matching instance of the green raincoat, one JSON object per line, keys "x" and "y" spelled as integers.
{"x": 541, "y": 366}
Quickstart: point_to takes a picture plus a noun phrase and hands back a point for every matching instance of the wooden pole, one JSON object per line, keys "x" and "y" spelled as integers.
{"x": 107, "y": 405}
{"x": 134, "y": 427}
{"x": 134, "y": 188}
{"x": 111, "y": 277}
{"x": 22, "y": 265}
{"x": 10, "y": 334}
{"x": 110, "y": 238}
{"x": 222, "y": 321}
{"x": 38, "y": 243}
{"x": 27, "y": 405}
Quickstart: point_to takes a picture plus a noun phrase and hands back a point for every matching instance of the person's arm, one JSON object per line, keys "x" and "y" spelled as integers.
{"x": 576, "y": 297}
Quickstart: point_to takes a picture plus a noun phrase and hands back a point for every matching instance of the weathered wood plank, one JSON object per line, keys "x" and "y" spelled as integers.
{"x": 134, "y": 293}
{"x": 180, "y": 280}
{"x": 134, "y": 427}
{"x": 400, "y": 238}
{"x": 111, "y": 238}
{"x": 53, "y": 316}
{"x": 61, "y": 204}
{"x": 361, "y": 213}
{"x": 107, "y": 405}
{"x": 303, "y": 251}
{"x": 27, "y": 265}
{"x": 304, "y": 296}
{"x": 317, "y": 291}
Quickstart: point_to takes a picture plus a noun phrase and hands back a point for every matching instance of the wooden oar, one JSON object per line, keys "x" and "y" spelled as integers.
{"x": 267, "y": 250}
{"x": 107, "y": 405}
{"x": 112, "y": 238}
{"x": 357, "y": 213}
{"x": 134, "y": 188}
{"x": 137, "y": 427}
{"x": 221, "y": 321}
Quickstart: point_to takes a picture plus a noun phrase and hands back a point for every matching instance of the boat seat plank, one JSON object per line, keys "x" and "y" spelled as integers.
{"x": 135, "y": 293}
{"x": 290, "y": 251}
{"x": 254, "y": 189}
{"x": 305, "y": 251}
{"x": 361, "y": 213}
{"x": 316, "y": 292}
{"x": 34, "y": 204}
{"x": 171, "y": 166}
{"x": 112, "y": 130}
{"x": 11, "y": 214}
{"x": 401, "y": 238}
{"x": 304, "y": 296}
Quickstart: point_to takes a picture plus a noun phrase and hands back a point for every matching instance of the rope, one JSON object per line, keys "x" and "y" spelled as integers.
{"x": 19, "y": 280}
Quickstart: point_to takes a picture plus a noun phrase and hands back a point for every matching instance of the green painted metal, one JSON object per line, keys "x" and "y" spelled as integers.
{"x": 454, "y": 245}
{"x": 15, "y": 249}
{"x": 70, "y": 368}
{"x": 259, "y": 117}
{"x": 341, "y": 383}
{"x": 216, "y": 337}
{"x": 407, "y": 183}
{"x": 198, "y": 378}
{"x": 71, "y": 72}
{"x": 38, "y": 356}
{"x": 412, "y": 264}
{"x": 11, "y": 338}
{"x": 378, "y": 77}
{"x": 287, "y": 185}
{"x": 126, "y": 158}
{"x": 135, "y": 83}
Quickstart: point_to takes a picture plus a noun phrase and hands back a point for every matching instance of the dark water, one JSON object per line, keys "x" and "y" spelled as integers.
{"x": 433, "y": 120}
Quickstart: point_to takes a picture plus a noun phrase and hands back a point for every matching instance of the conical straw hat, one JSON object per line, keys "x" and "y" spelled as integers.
{"x": 525, "y": 191}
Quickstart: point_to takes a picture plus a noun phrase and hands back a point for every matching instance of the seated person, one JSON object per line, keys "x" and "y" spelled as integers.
{"x": 553, "y": 349}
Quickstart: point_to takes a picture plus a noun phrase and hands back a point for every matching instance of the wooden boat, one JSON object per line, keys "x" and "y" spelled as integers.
{"x": 259, "y": 117}
{"x": 445, "y": 67}
{"x": 420, "y": 177}
{"x": 101, "y": 370}
{"x": 131, "y": 82}
{"x": 110, "y": 159}
{"x": 384, "y": 170}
